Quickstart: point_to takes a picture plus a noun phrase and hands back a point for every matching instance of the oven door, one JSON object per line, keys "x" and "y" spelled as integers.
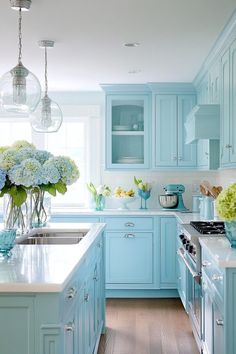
{"x": 194, "y": 295}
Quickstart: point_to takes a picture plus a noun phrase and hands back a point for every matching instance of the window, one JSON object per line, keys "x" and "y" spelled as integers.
{"x": 77, "y": 138}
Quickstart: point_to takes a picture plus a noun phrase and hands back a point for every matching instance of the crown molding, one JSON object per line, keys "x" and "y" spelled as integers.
{"x": 223, "y": 41}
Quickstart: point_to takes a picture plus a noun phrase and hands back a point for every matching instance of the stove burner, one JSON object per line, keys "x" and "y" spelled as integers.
{"x": 209, "y": 227}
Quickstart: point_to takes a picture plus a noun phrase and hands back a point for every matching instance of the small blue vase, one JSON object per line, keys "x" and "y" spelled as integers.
{"x": 7, "y": 239}
{"x": 230, "y": 232}
{"x": 99, "y": 201}
{"x": 144, "y": 195}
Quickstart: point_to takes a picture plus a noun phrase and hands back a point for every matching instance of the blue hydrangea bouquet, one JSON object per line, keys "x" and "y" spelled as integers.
{"x": 24, "y": 171}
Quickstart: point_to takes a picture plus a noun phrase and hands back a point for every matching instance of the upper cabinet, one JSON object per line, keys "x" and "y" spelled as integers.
{"x": 127, "y": 130}
{"x": 228, "y": 107}
{"x": 170, "y": 149}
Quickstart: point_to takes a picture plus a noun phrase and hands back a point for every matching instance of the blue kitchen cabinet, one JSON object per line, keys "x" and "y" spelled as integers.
{"x": 228, "y": 107}
{"x": 214, "y": 294}
{"x": 131, "y": 253}
{"x": 129, "y": 258}
{"x": 170, "y": 149}
{"x": 214, "y": 84}
{"x": 128, "y": 119}
{"x": 67, "y": 322}
{"x": 208, "y": 154}
{"x": 168, "y": 231}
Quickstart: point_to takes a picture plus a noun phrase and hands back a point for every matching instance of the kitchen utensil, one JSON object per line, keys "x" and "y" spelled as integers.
{"x": 168, "y": 200}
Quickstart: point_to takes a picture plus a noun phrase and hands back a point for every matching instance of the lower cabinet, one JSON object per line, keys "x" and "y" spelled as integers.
{"x": 141, "y": 255}
{"x": 69, "y": 322}
{"x": 168, "y": 231}
{"x": 129, "y": 258}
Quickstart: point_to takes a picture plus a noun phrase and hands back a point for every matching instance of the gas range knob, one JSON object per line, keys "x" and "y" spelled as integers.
{"x": 181, "y": 236}
{"x": 191, "y": 249}
{"x": 187, "y": 245}
{"x": 185, "y": 241}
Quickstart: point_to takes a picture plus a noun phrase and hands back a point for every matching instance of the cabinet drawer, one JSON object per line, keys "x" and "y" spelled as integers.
{"x": 213, "y": 272}
{"x": 129, "y": 223}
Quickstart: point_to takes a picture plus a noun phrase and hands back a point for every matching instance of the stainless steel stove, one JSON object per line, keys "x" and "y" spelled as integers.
{"x": 189, "y": 252}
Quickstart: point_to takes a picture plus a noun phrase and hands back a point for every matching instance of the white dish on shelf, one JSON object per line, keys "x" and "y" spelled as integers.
{"x": 130, "y": 159}
{"x": 121, "y": 127}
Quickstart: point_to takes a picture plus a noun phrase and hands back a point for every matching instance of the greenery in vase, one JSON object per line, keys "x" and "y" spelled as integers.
{"x": 99, "y": 193}
{"x": 143, "y": 186}
{"x": 226, "y": 203}
{"x": 24, "y": 169}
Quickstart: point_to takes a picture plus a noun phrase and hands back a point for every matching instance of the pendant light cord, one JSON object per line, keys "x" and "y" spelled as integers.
{"x": 20, "y": 36}
{"x": 46, "y": 71}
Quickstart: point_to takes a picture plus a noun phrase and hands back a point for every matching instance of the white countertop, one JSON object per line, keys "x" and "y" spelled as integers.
{"x": 45, "y": 268}
{"x": 183, "y": 217}
{"x": 220, "y": 250}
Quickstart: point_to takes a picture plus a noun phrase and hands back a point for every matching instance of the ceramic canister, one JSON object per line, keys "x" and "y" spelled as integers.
{"x": 196, "y": 203}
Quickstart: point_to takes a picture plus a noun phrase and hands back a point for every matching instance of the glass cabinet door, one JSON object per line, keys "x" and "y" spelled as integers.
{"x": 127, "y": 131}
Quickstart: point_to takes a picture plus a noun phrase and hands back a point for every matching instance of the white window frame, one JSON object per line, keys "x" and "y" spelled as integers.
{"x": 91, "y": 116}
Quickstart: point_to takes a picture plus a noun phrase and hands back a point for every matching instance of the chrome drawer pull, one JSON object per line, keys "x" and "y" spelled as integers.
{"x": 129, "y": 236}
{"x": 206, "y": 263}
{"x": 71, "y": 293}
{"x": 217, "y": 277}
{"x": 129, "y": 224}
{"x": 219, "y": 322}
{"x": 70, "y": 327}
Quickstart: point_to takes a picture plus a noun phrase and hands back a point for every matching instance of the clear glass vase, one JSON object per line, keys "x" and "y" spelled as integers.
{"x": 17, "y": 217}
{"x": 99, "y": 202}
{"x": 230, "y": 232}
{"x": 41, "y": 207}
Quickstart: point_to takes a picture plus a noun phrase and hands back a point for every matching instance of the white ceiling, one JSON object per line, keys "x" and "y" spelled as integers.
{"x": 175, "y": 38}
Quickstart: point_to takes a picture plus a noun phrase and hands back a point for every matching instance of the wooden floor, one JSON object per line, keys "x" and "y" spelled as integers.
{"x": 147, "y": 326}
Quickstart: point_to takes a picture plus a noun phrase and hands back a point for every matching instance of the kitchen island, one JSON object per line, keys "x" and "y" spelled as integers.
{"x": 52, "y": 296}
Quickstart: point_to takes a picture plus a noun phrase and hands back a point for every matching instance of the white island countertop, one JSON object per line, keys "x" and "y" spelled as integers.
{"x": 46, "y": 268}
{"x": 220, "y": 250}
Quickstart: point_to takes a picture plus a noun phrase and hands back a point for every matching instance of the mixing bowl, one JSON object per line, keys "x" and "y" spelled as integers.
{"x": 168, "y": 200}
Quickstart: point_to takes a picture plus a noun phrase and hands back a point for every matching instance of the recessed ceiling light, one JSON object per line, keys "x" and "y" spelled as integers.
{"x": 131, "y": 44}
{"x": 134, "y": 71}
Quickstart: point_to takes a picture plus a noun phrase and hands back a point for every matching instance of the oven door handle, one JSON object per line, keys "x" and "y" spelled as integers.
{"x": 196, "y": 276}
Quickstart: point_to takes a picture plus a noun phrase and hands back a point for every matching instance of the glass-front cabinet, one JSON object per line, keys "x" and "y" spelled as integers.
{"x": 127, "y": 123}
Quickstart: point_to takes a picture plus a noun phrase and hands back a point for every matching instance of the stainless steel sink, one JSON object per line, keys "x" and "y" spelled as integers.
{"x": 54, "y": 238}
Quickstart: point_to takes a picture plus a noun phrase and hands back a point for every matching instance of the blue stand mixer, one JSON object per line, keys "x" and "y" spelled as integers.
{"x": 174, "y": 192}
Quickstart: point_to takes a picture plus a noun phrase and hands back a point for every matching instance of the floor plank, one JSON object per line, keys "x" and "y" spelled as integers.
{"x": 147, "y": 326}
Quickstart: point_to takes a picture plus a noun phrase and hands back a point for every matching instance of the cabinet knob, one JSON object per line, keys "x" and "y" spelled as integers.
{"x": 174, "y": 158}
{"x": 71, "y": 293}
{"x": 129, "y": 236}
{"x": 228, "y": 146}
{"x": 70, "y": 327}
{"x": 206, "y": 264}
{"x": 180, "y": 158}
{"x": 129, "y": 224}
{"x": 206, "y": 153}
{"x": 99, "y": 244}
{"x": 219, "y": 322}
{"x": 216, "y": 277}
{"x": 86, "y": 297}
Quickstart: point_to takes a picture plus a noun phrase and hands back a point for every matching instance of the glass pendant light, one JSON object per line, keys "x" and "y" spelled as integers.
{"x": 20, "y": 90}
{"x": 47, "y": 117}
